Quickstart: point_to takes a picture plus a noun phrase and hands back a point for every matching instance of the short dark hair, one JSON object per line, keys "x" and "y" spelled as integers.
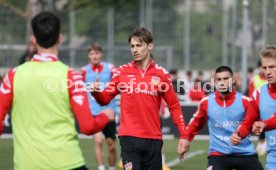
{"x": 142, "y": 34}
{"x": 46, "y": 29}
{"x": 173, "y": 71}
{"x": 95, "y": 47}
{"x": 224, "y": 69}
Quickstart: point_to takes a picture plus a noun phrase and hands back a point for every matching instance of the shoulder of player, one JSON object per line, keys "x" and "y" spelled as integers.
{"x": 159, "y": 69}
{"x": 256, "y": 94}
{"x": 74, "y": 74}
{"x": 161, "y": 72}
{"x": 204, "y": 101}
{"x": 245, "y": 98}
{"x": 123, "y": 68}
{"x": 10, "y": 74}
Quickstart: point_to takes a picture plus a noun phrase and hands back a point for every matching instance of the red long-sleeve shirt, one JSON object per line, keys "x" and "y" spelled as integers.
{"x": 78, "y": 98}
{"x": 201, "y": 115}
{"x": 253, "y": 113}
{"x": 141, "y": 93}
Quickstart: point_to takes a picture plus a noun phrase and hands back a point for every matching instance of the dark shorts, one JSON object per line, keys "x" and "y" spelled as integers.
{"x": 81, "y": 168}
{"x": 109, "y": 130}
{"x": 141, "y": 153}
{"x": 229, "y": 162}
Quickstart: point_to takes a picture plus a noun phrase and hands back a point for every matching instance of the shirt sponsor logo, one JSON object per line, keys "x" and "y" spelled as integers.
{"x": 272, "y": 141}
{"x": 130, "y": 90}
{"x": 223, "y": 138}
{"x": 226, "y": 124}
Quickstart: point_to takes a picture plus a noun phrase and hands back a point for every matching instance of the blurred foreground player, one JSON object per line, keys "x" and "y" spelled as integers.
{"x": 43, "y": 104}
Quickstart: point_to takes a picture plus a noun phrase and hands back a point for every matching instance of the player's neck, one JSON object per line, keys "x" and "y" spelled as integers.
{"x": 144, "y": 63}
{"x": 52, "y": 50}
{"x": 96, "y": 64}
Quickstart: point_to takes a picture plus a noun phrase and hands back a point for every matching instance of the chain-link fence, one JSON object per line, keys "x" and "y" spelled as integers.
{"x": 197, "y": 34}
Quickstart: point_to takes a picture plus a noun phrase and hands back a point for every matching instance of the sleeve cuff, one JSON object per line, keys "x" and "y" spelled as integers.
{"x": 185, "y": 135}
{"x": 269, "y": 124}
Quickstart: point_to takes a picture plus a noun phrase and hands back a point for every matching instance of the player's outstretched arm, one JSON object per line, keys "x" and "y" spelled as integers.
{"x": 6, "y": 96}
{"x": 252, "y": 115}
{"x": 260, "y": 126}
{"x": 104, "y": 97}
{"x": 80, "y": 106}
{"x": 199, "y": 119}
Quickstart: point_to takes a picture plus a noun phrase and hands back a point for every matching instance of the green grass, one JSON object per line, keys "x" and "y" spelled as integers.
{"x": 195, "y": 163}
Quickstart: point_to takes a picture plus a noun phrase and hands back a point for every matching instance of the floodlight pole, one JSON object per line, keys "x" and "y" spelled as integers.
{"x": 244, "y": 44}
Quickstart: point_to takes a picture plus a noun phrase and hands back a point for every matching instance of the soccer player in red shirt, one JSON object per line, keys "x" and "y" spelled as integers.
{"x": 263, "y": 106}
{"x": 142, "y": 84}
{"x": 224, "y": 110}
{"x": 44, "y": 133}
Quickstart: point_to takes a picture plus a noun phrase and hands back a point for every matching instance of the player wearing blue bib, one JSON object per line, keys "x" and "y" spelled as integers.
{"x": 263, "y": 106}
{"x": 100, "y": 71}
{"x": 224, "y": 110}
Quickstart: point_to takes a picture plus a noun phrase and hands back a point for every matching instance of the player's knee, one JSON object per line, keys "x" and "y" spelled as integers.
{"x": 112, "y": 147}
{"x": 98, "y": 142}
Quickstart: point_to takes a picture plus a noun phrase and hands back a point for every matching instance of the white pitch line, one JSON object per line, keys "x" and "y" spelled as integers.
{"x": 188, "y": 156}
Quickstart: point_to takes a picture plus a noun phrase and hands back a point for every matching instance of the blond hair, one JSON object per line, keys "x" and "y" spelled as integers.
{"x": 268, "y": 52}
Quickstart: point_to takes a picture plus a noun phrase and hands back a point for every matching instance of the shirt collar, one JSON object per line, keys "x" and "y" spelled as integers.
{"x": 272, "y": 88}
{"x": 44, "y": 57}
{"x": 152, "y": 62}
{"x": 226, "y": 97}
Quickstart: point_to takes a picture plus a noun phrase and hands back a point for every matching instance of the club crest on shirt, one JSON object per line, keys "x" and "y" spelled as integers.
{"x": 128, "y": 166}
{"x": 155, "y": 80}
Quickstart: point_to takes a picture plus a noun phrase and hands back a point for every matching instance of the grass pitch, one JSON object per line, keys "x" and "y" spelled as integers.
{"x": 196, "y": 160}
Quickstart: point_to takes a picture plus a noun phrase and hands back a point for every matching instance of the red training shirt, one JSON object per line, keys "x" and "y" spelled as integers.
{"x": 141, "y": 94}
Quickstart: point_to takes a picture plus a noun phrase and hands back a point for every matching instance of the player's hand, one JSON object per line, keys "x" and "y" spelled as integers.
{"x": 235, "y": 139}
{"x": 110, "y": 114}
{"x": 258, "y": 127}
{"x": 183, "y": 148}
{"x": 94, "y": 87}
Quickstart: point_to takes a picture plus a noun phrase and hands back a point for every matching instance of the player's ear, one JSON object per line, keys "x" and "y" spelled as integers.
{"x": 150, "y": 46}
{"x": 234, "y": 80}
{"x": 59, "y": 39}
{"x": 33, "y": 39}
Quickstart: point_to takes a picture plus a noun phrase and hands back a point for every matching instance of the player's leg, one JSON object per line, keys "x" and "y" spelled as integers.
{"x": 261, "y": 146}
{"x": 250, "y": 162}
{"x": 219, "y": 163}
{"x": 164, "y": 166}
{"x": 98, "y": 138}
{"x": 110, "y": 134}
{"x": 152, "y": 159}
{"x": 131, "y": 152}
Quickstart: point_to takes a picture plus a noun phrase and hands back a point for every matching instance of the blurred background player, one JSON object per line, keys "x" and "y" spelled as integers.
{"x": 28, "y": 54}
{"x": 263, "y": 106}
{"x": 100, "y": 71}
{"x": 44, "y": 130}
{"x": 224, "y": 110}
{"x": 178, "y": 84}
